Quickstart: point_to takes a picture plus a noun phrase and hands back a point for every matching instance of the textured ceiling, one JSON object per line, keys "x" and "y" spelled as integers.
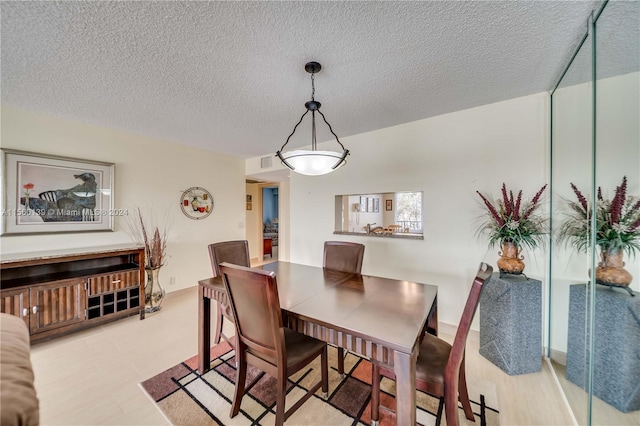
{"x": 229, "y": 76}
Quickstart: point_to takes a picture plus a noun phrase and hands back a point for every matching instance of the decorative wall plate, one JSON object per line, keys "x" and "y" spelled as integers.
{"x": 196, "y": 203}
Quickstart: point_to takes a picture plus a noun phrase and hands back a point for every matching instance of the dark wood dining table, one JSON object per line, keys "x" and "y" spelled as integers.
{"x": 379, "y": 318}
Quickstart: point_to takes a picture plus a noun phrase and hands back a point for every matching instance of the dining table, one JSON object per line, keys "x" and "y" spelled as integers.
{"x": 379, "y": 318}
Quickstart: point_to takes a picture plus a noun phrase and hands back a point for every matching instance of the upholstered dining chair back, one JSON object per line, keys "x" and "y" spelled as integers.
{"x": 262, "y": 341}
{"x": 253, "y": 297}
{"x": 236, "y": 252}
{"x": 346, "y": 257}
{"x": 343, "y": 256}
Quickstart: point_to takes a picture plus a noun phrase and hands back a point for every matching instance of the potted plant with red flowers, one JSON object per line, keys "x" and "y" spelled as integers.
{"x": 617, "y": 230}
{"x": 513, "y": 224}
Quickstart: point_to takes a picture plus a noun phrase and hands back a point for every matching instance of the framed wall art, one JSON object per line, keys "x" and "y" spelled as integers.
{"x": 389, "y": 205}
{"x": 363, "y": 204}
{"x": 49, "y": 194}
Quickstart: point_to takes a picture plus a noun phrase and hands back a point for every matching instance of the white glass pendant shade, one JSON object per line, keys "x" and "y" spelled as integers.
{"x": 313, "y": 163}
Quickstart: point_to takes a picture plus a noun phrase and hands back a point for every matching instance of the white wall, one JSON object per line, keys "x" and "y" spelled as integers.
{"x": 148, "y": 173}
{"x": 448, "y": 157}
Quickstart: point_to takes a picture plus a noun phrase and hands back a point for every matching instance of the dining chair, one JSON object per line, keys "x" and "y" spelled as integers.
{"x": 440, "y": 366}
{"x": 346, "y": 257}
{"x": 236, "y": 252}
{"x": 263, "y": 341}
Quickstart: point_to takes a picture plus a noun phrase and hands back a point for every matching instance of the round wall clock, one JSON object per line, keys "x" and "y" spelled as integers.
{"x": 196, "y": 203}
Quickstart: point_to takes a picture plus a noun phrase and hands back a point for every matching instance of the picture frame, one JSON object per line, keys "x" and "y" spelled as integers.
{"x": 363, "y": 204}
{"x": 376, "y": 205}
{"x": 249, "y": 207}
{"x": 389, "y": 205}
{"x": 44, "y": 193}
{"x": 248, "y": 199}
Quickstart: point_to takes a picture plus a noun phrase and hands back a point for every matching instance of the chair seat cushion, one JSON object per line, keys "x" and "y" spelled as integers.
{"x": 431, "y": 362}
{"x": 300, "y": 347}
{"x": 432, "y": 359}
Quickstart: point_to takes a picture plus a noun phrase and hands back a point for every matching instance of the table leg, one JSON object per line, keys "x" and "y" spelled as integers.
{"x": 204, "y": 331}
{"x": 405, "y": 369}
{"x": 432, "y": 321}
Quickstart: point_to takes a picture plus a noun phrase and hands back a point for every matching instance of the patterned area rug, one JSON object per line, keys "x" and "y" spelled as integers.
{"x": 187, "y": 398}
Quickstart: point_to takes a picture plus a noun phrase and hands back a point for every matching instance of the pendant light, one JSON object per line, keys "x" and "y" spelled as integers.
{"x": 313, "y": 162}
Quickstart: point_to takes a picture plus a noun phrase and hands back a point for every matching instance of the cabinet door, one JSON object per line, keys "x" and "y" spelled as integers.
{"x": 15, "y": 302}
{"x": 57, "y": 304}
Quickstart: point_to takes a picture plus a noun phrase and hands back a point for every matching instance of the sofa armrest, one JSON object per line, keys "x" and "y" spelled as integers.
{"x": 18, "y": 399}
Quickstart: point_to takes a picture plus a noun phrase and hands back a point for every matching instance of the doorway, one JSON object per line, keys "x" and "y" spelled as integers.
{"x": 270, "y": 222}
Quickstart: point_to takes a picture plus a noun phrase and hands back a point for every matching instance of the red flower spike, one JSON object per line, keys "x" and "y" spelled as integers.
{"x": 618, "y": 201}
{"x": 581, "y": 199}
{"x": 505, "y": 200}
{"x": 492, "y": 209}
{"x": 534, "y": 202}
{"x": 28, "y": 186}
{"x": 511, "y": 205}
{"x": 516, "y": 209}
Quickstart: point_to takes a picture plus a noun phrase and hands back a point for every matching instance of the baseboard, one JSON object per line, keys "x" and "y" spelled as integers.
{"x": 558, "y": 356}
{"x": 450, "y": 329}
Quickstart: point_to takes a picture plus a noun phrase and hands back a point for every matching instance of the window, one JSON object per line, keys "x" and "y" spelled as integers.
{"x": 409, "y": 210}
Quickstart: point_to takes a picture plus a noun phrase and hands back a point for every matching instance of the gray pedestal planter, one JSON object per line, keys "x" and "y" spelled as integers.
{"x": 511, "y": 323}
{"x": 616, "y": 371}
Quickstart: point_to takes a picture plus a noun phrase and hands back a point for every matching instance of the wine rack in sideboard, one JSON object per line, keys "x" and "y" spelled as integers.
{"x": 57, "y": 293}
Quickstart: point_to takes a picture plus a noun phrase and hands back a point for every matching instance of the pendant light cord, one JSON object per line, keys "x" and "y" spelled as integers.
{"x": 313, "y": 121}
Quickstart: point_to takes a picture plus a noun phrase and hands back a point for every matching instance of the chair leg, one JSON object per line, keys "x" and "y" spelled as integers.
{"x": 341, "y": 362}
{"x": 241, "y": 378}
{"x": 375, "y": 395}
{"x": 451, "y": 403}
{"x": 325, "y": 372}
{"x": 219, "y": 319}
{"x": 281, "y": 391}
{"x": 439, "y": 413}
{"x": 464, "y": 394}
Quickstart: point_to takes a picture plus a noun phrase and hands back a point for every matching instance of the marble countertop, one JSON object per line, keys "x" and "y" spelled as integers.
{"x": 399, "y": 235}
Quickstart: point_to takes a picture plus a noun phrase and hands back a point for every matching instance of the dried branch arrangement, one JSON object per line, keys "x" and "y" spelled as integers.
{"x": 152, "y": 237}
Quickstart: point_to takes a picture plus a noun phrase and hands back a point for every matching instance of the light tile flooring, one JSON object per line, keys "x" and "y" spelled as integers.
{"x": 91, "y": 377}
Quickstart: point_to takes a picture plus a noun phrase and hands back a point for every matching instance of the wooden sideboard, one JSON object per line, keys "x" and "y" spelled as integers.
{"x": 59, "y": 292}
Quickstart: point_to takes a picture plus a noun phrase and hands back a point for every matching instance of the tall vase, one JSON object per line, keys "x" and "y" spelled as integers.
{"x": 610, "y": 270}
{"x": 153, "y": 291}
{"x": 510, "y": 260}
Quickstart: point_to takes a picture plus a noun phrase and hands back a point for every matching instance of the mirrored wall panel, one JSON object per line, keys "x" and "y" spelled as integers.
{"x": 572, "y": 167}
{"x": 616, "y": 318}
{"x": 594, "y": 331}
